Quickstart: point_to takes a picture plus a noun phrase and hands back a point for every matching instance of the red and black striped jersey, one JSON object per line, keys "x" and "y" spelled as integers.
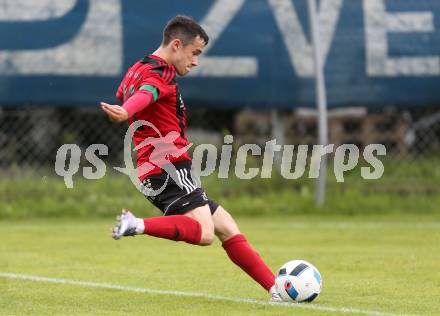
{"x": 167, "y": 113}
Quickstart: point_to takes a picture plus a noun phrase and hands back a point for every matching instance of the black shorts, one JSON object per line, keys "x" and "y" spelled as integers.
{"x": 176, "y": 198}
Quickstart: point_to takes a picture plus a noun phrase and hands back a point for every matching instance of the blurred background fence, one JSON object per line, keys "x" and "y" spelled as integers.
{"x": 30, "y": 136}
{"x": 382, "y": 65}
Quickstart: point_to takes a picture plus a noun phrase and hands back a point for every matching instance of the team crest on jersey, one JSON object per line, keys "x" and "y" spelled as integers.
{"x": 180, "y": 103}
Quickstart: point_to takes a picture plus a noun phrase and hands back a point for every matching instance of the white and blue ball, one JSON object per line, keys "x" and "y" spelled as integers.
{"x": 298, "y": 281}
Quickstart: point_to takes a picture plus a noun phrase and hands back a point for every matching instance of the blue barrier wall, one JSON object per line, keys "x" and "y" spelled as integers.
{"x": 74, "y": 52}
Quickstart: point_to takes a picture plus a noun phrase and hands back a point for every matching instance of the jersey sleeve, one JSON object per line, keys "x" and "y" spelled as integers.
{"x": 136, "y": 103}
{"x": 153, "y": 86}
{"x": 148, "y": 91}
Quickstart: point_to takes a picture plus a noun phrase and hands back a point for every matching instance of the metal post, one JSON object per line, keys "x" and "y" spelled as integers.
{"x": 278, "y": 134}
{"x": 321, "y": 99}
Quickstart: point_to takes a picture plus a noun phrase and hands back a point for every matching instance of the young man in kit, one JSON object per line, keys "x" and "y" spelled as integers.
{"x": 150, "y": 93}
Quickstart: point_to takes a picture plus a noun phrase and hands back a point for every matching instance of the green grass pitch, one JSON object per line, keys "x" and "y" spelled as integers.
{"x": 370, "y": 266}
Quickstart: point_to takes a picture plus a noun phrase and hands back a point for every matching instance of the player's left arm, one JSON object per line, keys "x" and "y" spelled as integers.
{"x": 115, "y": 112}
{"x": 146, "y": 95}
{"x": 136, "y": 103}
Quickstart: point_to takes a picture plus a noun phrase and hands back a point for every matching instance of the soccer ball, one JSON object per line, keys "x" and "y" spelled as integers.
{"x": 298, "y": 281}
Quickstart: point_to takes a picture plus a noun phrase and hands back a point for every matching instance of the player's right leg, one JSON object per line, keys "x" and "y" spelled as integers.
{"x": 241, "y": 252}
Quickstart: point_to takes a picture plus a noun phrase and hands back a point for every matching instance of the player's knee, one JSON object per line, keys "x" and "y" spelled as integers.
{"x": 225, "y": 225}
{"x": 207, "y": 237}
{"x": 207, "y": 233}
{"x": 203, "y": 216}
{"x": 227, "y": 232}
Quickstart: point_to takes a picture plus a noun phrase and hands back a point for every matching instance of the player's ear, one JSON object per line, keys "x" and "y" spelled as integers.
{"x": 176, "y": 43}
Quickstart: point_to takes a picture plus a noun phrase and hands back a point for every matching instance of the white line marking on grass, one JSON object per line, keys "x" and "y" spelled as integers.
{"x": 346, "y": 310}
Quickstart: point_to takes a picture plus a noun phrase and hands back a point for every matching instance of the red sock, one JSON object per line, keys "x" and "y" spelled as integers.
{"x": 242, "y": 254}
{"x": 174, "y": 227}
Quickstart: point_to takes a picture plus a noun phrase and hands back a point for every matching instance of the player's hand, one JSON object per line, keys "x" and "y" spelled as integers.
{"x": 116, "y": 113}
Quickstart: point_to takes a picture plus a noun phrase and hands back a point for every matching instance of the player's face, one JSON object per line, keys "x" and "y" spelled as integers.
{"x": 188, "y": 56}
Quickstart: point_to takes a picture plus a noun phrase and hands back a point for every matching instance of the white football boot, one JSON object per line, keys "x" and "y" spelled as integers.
{"x": 126, "y": 225}
{"x": 274, "y": 295}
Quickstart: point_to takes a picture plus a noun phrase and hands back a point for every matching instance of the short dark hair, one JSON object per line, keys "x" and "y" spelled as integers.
{"x": 184, "y": 28}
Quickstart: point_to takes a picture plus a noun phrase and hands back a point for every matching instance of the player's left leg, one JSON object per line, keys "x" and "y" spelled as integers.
{"x": 194, "y": 227}
{"x": 186, "y": 207}
{"x": 240, "y": 251}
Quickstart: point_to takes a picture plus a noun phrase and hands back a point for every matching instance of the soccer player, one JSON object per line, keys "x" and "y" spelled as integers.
{"x": 149, "y": 92}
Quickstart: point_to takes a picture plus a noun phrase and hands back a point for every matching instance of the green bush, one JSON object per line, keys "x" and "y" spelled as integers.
{"x": 407, "y": 186}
